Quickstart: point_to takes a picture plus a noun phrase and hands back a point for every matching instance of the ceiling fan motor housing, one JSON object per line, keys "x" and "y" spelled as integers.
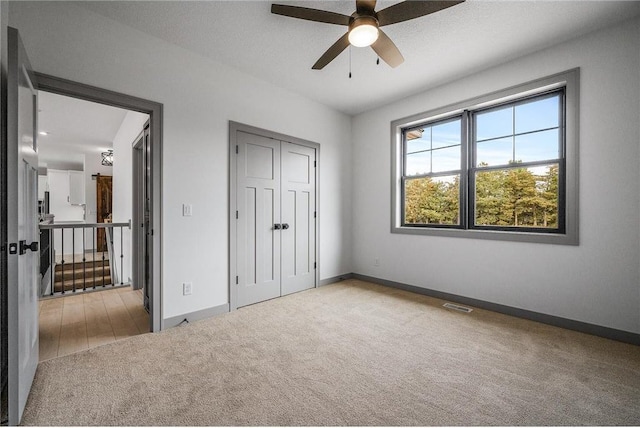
{"x": 358, "y": 20}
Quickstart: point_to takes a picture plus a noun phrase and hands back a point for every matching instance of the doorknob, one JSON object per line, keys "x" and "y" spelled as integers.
{"x": 24, "y": 247}
{"x": 285, "y": 226}
{"x": 277, "y": 226}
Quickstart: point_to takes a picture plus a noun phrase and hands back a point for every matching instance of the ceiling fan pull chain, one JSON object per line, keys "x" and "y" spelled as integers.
{"x": 378, "y": 61}
{"x": 349, "y": 61}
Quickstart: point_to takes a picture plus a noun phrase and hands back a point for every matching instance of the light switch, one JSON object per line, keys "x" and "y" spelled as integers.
{"x": 187, "y": 210}
{"x": 187, "y": 288}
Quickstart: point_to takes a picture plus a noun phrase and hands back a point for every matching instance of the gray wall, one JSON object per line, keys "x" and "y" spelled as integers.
{"x": 200, "y": 96}
{"x": 596, "y": 282}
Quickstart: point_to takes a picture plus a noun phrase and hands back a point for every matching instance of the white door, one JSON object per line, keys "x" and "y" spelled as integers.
{"x": 276, "y": 224}
{"x": 22, "y": 169}
{"x": 258, "y": 213}
{"x": 298, "y": 217}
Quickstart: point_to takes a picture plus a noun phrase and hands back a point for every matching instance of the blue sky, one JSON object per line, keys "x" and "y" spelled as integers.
{"x": 497, "y": 135}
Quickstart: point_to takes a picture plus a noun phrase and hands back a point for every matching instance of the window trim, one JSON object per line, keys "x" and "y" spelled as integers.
{"x": 570, "y": 81}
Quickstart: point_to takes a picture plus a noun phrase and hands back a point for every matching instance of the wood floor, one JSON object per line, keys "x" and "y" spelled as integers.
{"x": 74, "y": 323}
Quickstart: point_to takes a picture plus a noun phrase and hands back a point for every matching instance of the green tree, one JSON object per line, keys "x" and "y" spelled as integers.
{"x": 428, "y": 201}
{"x": 517, "y": 197}
{"x": 503, "y": 197}
{"x": 490, "y": 193}
{"x": 520, "y": 189}
{"x": 548, "y": 189}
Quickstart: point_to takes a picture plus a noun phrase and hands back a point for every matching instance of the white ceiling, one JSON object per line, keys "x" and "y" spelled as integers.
{"x": 244, "y": 34}
{"x": 437, "y": 48}
{"x": 75, "y": 127}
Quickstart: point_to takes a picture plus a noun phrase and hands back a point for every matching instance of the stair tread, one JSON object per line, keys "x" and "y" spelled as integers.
{"x": 84, "y": 268}
{"x": 79, "y": 264}
{"x": 79, "y": 283}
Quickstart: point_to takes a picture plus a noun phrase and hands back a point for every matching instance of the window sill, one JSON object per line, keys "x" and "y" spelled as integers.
{"x": 496, "y": 235}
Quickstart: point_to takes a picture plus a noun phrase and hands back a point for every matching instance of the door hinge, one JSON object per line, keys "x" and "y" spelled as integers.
{"x": 236, "y": 149}
{"x": 236, "y": 280}
{"x": 151, "y": 232}
{"x": 236, "y": 214}
{"x": 315, "y": 265}
{"x": 314, "y": 164}
{"x": 315, "y": 213}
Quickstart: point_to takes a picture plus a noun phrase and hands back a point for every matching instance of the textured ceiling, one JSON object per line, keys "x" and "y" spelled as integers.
{"x": 437, "y": 48}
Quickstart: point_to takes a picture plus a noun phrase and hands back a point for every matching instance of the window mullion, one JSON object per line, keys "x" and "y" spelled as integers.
{"x": 431, "y": 149}
{"x": 465, "y": 162}
{"x": 471, "y": 198}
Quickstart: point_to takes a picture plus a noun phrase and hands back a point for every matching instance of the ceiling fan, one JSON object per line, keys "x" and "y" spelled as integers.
{"x": 364, "y": 25}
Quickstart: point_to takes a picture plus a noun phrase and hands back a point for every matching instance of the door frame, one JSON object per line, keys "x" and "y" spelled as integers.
{"x": 140, "y": 237}
{"x": 4, "y": 204}
{"x": 234, "y": 127}
{"x": 154, "y": 109}
{"x": 136, "y": 212}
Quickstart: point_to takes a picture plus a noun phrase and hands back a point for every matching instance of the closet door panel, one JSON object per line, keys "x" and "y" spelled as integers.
{"x": 258, "y": 202}
{"x": 298, "y": 208}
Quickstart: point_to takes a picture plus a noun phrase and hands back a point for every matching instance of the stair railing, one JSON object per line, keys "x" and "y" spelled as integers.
{"x": 86, "y": 260}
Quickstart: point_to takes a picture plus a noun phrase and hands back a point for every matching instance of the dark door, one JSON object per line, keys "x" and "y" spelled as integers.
{"x": 104, "y": 207}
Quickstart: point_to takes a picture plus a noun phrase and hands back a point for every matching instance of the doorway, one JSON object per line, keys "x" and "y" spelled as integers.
{"x": 18, "y": 191}
{"x": 86, "y": 298}
{"x": 274, "y": 215}
{"x": 153, "y": 227}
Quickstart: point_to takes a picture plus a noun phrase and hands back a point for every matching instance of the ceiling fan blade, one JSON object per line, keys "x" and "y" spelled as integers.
{"x": 332, "y": 52}
{"x": 364, "y": 6}
{"x": 387, "y": 50}
{"x": 310, "y": 14}
{"x": 412, "y": 9}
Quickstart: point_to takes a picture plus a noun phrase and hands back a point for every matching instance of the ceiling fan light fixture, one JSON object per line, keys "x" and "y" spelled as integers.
{"x": 363, "y": 32}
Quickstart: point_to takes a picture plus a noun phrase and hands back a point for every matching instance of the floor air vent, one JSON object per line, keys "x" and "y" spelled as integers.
{"x": 457, "y": 308}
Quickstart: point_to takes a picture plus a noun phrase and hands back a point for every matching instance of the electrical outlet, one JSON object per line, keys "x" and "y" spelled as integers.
{"x": 187, "y": 210}
{"x": 376, "y": 262}
{"x": 187, "y": 288}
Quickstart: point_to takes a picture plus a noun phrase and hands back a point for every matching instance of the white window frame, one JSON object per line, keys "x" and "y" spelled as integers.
{"x": 568, "y": 80}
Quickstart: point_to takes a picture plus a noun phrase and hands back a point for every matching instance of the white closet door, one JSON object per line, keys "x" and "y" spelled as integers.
{"x": 298, "y": 219}
{"x": 258, "y": 205}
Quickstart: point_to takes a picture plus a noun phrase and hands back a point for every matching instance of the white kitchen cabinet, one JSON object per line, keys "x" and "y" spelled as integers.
{"x": 61, "y": 195}
{"x": 76, "y": 188}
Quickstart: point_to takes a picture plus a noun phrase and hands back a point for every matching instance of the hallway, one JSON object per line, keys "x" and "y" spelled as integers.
{"x": 83, "y": 321}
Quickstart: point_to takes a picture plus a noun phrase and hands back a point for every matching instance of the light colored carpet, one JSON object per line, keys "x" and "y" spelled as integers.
{"x": 351, "y": 353}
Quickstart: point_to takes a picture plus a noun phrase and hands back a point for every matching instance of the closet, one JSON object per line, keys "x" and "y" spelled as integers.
{"x": 275, "y": 217}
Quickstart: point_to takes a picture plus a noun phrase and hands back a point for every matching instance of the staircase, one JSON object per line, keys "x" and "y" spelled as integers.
{"x": 80, "y": 261}
{"x": 82, "y": 275}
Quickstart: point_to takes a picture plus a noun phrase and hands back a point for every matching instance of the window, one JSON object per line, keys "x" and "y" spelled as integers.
{"x": 502, "y": 166}
{"x": 432, "y": 157}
